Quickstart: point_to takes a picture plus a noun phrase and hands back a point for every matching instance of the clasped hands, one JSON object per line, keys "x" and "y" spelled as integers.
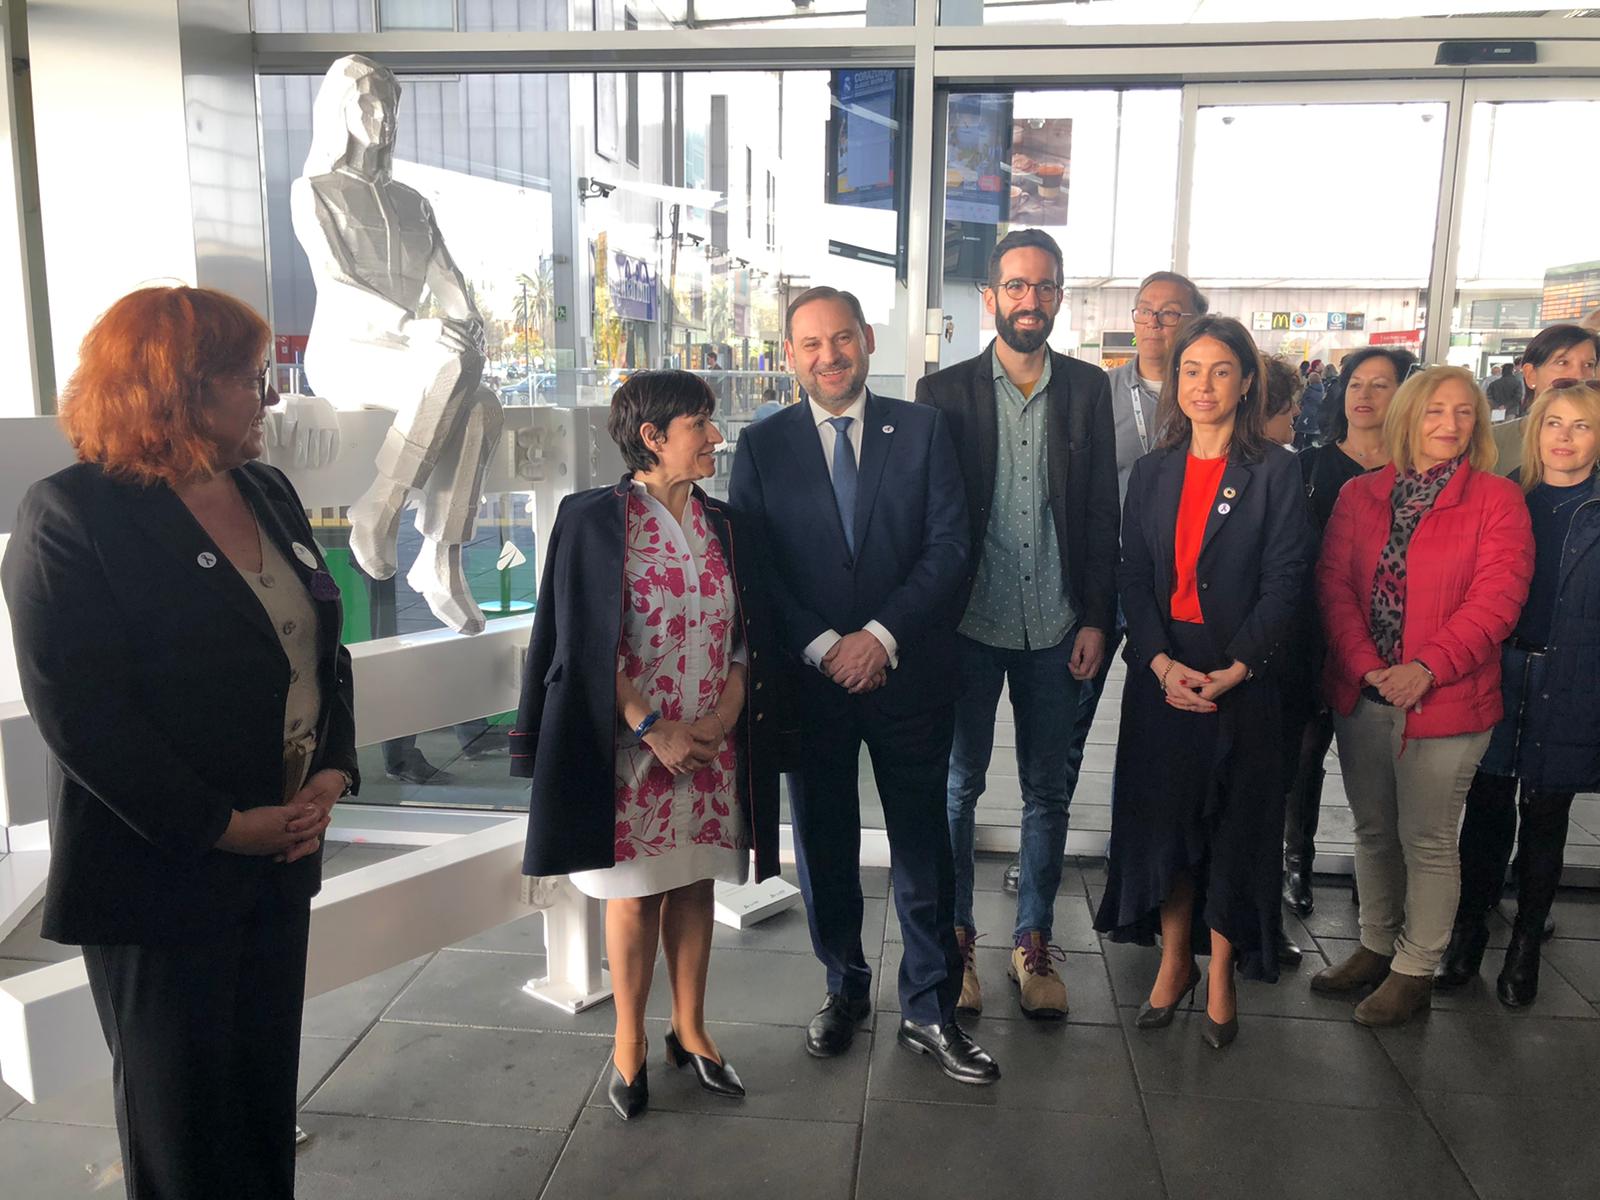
{"x": 1402, "y": 686}
{"x": 857, "y": 662}
{"x": 286, "y": 832}
{"x": 1195, "y": 691}
{"x": 684, "y": 746}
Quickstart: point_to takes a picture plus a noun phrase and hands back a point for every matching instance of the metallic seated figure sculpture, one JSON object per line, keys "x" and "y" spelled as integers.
{"x": 379, "y": 262}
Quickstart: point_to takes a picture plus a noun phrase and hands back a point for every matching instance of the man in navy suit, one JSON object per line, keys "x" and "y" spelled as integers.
{"x": 858, "y": 505}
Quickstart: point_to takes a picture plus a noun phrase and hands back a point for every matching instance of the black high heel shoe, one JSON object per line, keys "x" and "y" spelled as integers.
{"x": 1159, "y": 1017}
{"x": 629, "y": 1099}
{"x": 718, "y": 1078}
{"x": 1218, "y": 1034}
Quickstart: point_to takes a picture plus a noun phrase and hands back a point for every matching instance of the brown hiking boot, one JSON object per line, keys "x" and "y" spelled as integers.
{"x": 1043, "y": 992}
{"x": 1364, "y": 968}
{"x": 971, "y": 1000}
{"x": 1397, "y": 1000}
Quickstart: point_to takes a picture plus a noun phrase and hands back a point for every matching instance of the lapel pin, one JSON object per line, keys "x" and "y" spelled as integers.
{"x": 1229, "y": 493}
{"x": 304, "y": 555}
{"x": 888, "y": 428}
{"x": 1224, "y": 508}
{"x": 206, "y": 559}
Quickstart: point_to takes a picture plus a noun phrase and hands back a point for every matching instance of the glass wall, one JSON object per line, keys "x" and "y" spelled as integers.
{"x": 1206, "y": 12}
{"x": 486, "y": 16}
{"x": 1529, "y": 243}
{"x": 607, "y": 223}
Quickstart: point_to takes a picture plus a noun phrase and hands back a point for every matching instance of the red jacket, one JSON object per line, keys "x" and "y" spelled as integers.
{"x": 1467, "y": 574}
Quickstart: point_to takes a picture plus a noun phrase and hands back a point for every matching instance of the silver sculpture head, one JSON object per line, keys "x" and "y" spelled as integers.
{"x": 353, "y": 119}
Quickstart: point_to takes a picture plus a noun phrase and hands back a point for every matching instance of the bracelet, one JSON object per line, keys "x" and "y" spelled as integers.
{"x": 643, "y": 727}
{"x": 349, "y": 783}
{"x": 1171, "y": 662}
{"x": 1433, "y": 679}
{"x": 721, "y": 722}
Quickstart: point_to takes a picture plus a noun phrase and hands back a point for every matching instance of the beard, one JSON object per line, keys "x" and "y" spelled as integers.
{"x": 1023, "y": 341}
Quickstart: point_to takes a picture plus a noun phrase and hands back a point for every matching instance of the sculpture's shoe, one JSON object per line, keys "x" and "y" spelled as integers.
{"x": 437, "y": 575}
{"x": 374, "y": 529}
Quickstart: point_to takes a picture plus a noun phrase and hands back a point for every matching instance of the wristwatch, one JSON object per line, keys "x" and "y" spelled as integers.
{"x": 349, "y": 783}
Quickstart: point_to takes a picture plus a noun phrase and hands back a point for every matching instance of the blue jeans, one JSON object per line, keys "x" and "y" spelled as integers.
{"x": 1045, "y": 703}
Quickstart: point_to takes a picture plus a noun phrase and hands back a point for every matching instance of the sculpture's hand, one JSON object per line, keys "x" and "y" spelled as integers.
{"x": 306, "y": 429}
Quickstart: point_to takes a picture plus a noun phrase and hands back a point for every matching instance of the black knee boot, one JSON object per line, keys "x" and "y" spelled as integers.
{"x": 1487, "y": 836}
{"x": 1302, "y": 813}
{"x": 1541, "y": 848}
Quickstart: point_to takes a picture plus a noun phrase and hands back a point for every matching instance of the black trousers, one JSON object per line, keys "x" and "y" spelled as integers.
{"x": 1305, "y": 749}
{"x": 1487, "y": 834}
{"x": 910, "y": 764}
{"x": 205, "y": 1050}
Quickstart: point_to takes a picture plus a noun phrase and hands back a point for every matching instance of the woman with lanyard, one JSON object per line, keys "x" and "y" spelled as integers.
{"x": 1368, "y": 380}
{"x": 1549, "y": 738}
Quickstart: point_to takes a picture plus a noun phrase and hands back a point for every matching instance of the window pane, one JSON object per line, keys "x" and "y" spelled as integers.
{"x": 311, "y": 16}
{"x": 1097, "y": 170}
{"x": 1530, "y": 246}
{"x": 417, "y": 14}
{"x": 1317, "y": 249}
{"x": 1200, "y": 12}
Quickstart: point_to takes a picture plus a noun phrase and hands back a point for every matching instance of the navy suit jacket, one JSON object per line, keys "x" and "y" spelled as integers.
{"x": 911, "y": 539}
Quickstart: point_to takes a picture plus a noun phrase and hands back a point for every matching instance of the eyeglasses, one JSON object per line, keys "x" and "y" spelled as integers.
{"x": 1146, "y": 315}
{"x": 1018, "y": 288}
{"x": 260, "y": 379}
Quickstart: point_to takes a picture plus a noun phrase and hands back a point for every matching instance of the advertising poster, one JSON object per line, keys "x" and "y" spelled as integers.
{"x": 1041, "y": 171}
{"x": 978, "y": 158}
{"x": 864, "y": 132}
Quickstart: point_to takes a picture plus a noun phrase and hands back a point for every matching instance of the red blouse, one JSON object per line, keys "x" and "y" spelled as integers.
{"x": 1201, "y": 478}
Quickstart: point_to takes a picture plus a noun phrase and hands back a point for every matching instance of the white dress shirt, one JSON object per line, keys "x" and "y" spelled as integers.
{"x": 825, "y": 641}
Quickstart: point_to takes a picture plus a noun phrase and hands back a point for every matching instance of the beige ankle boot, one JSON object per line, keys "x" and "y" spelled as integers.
{"x": 1364, "y": 968}
{"x": 971, "y": 1000}
{"x": 1043, "y": 993}
{"x": 1397, "y": 1000}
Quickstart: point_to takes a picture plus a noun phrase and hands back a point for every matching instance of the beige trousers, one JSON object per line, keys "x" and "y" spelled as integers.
{"x": 1407, "y": 809}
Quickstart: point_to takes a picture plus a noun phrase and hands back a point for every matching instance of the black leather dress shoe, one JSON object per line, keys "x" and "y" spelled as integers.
{"x": 629, "y": 1099}
{"x": 1289, "y": 954}
{"x": 415, "y": 768}
{"x": 1463, "y": 956}
{"x": 834, "y": 1027}
{"x": 487, "y": 744}
{"x": 958, "y": 1055}
{"x": 718, "y": 1078}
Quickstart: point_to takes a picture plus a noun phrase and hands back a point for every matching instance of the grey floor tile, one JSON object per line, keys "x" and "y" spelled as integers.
{"x": 956, "y": 1151}
{"x": 1515, "y": 1148}
{"x": 362, "y": 854}
{"x": 484, "y": 988}
{"x": 1577, "y": 914}
{"x": 525, "y": 935}
{"x": 90, "y": 1103}
{"x": 1051, "y": 1067}
{"x": 673, "y": 1155}
{"x": 318, "y": 1057}
{"x": 874, "y": 880}
{"x": 781, "y": 1080}
{"x": 60, "y": 1161}
{"x": 788, "y": 932}
{"x": 1577, "y": 961}
{"x": 366, "y": 1158}
{"x": 753, "y": 986}
{"x": 1274, "y": 1058}
{"x": 1211, "y": 1147}
{"x": 1462, "y": 1052}
{"x": 348, "y": 1011}
{"x": 481, "y": 1076}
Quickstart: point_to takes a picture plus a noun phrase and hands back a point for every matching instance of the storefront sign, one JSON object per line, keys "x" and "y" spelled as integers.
{"x": 1397, "y": 337}
{"x": 1304, "y": 322}
{"x": 633, "y": 287}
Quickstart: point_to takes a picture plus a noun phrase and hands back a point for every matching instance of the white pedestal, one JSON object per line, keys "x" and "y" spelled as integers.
{"x": 574, "y": 942}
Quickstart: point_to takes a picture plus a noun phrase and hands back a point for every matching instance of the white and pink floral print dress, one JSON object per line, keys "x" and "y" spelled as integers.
{"x": 680, "y": 638}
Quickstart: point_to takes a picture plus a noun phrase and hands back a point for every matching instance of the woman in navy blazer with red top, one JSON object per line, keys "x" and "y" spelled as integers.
{"x": 1425, "y": 565}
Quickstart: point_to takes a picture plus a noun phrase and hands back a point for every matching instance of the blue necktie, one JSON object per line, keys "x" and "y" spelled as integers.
{"x": 844, "y": 477}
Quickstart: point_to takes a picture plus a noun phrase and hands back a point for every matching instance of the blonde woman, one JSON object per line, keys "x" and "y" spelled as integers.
{"x": 1424, "y": 568}
{"x": 1549, "y": 738}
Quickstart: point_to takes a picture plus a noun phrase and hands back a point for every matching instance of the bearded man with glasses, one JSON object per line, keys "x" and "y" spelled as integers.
{"x": 1034, "y": 433}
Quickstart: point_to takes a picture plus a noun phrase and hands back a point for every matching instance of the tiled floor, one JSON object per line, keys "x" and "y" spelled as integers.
{"x": 440, "y": 1078}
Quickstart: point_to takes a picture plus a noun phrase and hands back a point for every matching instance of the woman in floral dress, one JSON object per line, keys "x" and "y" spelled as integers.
{"x": 681, "y": 726}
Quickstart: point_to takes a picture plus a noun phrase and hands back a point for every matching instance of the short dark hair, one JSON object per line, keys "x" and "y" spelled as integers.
{"x": 1552, "y": 341}
{"x": 1401, "y": 360}
{"x": 1249, "y": 438}
{"x": 1196, "y": 297}
{"x": 822, "y": 293}
{"x": 769, "y": 393}
{"x": 1507, "y": 367}
{"x": 1284, "y": 386}
{"x": 1022, "y": 239}
{"x": 654, "y": 398}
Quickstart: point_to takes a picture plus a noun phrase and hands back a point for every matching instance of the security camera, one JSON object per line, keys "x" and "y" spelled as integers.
{"x": 593, "y": 189}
